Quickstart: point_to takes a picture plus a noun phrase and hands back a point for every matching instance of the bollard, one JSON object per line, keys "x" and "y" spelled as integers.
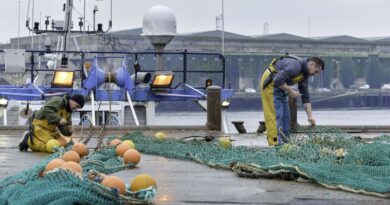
{"x": 292, "y": 104}
{"x": 214, "y": 107}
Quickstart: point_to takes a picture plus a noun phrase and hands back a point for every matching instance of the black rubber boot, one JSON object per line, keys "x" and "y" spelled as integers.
{"x": 23, "y": 143}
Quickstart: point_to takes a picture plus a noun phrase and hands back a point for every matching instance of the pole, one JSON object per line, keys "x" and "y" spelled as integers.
{"x": 39, "y": 41}
{"x": 68, "y": 23}
{"x": 19, "y": 25}
{"x": 225, "y": 127}
{"x": 94, "y": 14}
{"x": 28, "y": 15}
{"x": 185, "y": 66}
{"x": 308, "y": 26}
{"x": 32, "y": 19}
{"x": 223, "y": 27}
{"x": 132, "y": 108}
{"x": 32, "y": 68}
{"x": 93, "y": 109}
{"x": 84, "y": 37}
{"x": 5, "y": 116}
{"x": 85, "y": 4}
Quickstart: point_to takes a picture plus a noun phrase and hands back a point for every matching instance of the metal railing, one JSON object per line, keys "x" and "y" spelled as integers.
{"x": 184, "y": 68}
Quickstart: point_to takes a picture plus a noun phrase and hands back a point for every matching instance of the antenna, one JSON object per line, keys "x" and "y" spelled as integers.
{"x": 308, "y": 26}
{"x": 265, "y": 29}
{"x": 32, "y": 19}
{"x": 18, "y": 24}
{"x": 223, "y": 27}
{"x": 218, "y": 23}
{"x": 66, "y": 29}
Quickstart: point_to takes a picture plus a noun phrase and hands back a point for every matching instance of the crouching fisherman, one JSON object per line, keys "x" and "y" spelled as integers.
{"x": 52, "y": 121}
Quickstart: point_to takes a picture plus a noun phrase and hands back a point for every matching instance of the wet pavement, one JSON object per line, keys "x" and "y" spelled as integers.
{"x": 184, "y": 182}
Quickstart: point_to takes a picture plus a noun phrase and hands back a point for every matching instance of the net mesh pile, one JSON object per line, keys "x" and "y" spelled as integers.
{"x": 327, "y": 156}
{"x": 64, "y": 187}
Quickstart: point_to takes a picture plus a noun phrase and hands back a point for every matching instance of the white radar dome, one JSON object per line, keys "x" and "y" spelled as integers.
{"x": 159, "y": 20}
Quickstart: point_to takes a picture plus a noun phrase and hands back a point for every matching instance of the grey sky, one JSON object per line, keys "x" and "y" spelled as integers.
{"x": 360, "y": 18}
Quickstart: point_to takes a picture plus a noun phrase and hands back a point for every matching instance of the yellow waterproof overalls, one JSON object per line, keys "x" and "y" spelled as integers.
{"x": 275, "y": 105}
{"x": 43, "y": 131}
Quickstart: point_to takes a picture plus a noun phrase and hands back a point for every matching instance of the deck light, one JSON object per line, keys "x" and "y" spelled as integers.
{"x": 162, "y": 79}
{"x": 63, "y": 79}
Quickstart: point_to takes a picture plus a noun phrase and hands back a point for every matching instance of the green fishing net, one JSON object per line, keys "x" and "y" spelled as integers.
{"x": 327, "y": 156}
{"x": 64, "y": 187}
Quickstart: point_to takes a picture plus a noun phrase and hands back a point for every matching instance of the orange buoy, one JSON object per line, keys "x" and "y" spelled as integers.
{"x": 71, "y": 156}
{"x": 62, "y": 141}
{"x": 114, "y": 182}
{"x": 72, "y": 166}
{"x": 131, "y": 156}
{"x": 80, "y": 148}
{"x": 142, "y": 181}
{"x": 122, "y": 148}
{"x": 115, "y": 142}
{"x": 55, "y": 163}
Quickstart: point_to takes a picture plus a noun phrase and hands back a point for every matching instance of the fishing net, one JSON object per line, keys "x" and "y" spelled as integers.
{"x": 65, "y": 187}
{"x": 327, "y": 156}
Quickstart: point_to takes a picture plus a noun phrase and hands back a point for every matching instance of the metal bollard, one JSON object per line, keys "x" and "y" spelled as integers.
{"x": 292, "y": 104}
{"x": 214, "y": 107}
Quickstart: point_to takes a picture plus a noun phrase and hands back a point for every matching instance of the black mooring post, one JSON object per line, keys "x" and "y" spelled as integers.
{"x": 292, "y": 103}
{"x": 214, "y": 107}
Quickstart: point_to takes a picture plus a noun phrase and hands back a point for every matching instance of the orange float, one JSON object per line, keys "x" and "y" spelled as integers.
{"x": 122, "y": 148}
{"x": 131, "y": 156}
{"x": 53, "y": 164}
{"x": 114, "y": 182}
{"x": 115, "y": 142}
{"x": 71, "y": 156}
{"x": 80, "y": 148}
{"x": 72, "y": 166}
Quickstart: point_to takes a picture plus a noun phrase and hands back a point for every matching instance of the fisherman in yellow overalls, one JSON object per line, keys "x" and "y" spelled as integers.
{"x": 275, "y": 87}
{"x": 52, "y": 121}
